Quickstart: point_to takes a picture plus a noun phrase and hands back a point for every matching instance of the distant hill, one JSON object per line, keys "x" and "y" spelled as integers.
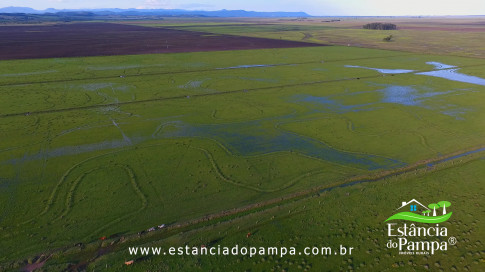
{"x": 158, "y": 12}
{"x": 19, "y": 10}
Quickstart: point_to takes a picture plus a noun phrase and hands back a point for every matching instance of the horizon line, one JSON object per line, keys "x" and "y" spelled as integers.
{"x": 216, "y": 10}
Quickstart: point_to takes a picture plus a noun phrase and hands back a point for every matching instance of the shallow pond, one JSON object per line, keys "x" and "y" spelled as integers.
{"x": 439, "y": 65}
{"x": 327, "y": 104}
{"x": 452, "y": 74}
{"x": 245, "y": 66}
{"x": 396, "y": 94}
{"x": 72, "y": 150}
{"x": 406, "y": 95}
{"x": 382, "y": 71}
{"x": 247, "y": 139}
{"x": 260, "y": 137}
{"x": 442, "y": 70}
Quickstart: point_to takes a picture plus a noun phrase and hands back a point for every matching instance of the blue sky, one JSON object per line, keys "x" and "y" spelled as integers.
{"x": 312, "y": 7}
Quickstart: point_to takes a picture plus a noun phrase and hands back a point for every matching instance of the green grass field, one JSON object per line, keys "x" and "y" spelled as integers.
{"x": 351, "y": 216}
{"x": 219, "y": 144}
{"x": 459, "y": 36}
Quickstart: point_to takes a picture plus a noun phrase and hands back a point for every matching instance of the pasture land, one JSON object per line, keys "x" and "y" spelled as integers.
{"x": 349, "y": 216}
{"x": 460, "y": 36}
{"x": 299, "y": 146}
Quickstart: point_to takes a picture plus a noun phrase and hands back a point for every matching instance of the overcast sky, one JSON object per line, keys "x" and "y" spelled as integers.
{"x": 312, "y": 7}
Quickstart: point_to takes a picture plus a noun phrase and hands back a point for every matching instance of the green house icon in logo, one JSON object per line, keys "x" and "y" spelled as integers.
{"x": 412, "y": 210}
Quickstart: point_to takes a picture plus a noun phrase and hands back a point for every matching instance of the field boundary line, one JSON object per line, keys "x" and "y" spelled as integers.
{"x": 195, "y": 71}
{"x": 185, "y": 96}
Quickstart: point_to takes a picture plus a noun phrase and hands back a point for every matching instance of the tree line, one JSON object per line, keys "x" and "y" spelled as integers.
{"x": 380, "y": 26}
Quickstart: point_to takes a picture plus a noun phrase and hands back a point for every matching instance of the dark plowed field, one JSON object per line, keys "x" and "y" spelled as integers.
{"x": 100, "y": 39}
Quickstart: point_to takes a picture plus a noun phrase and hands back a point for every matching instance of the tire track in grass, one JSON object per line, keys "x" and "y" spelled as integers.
{"x": 160, "y": 127}
{"x": 214, "y": 112}
{"x": 126, "y": 138}
{"x": 350, "y": 126}
{"x": 62, "y": 180}
{"x": 197, "y": 223}
{"x": 278, "y": 127}
{"x": 222, "y": 176}
{"x": 306, "y": 36}
{"x": 140, "y": 194}
{"x": 70, "y": 196}
{"x": 424, "y": 142}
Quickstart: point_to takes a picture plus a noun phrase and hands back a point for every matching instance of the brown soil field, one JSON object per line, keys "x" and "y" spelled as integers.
{"x": 431, "y": 28}
{"x": 100, "y": 39}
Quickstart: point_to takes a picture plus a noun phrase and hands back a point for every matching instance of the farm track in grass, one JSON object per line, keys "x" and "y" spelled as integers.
{"x": 423, "y": 165}
{"x": 216, "y": 93}
{"x": 141, "y": 196}
{"x": 62, "y": 180}
{"x": 224, "y": 177}
{"x": 72, "y": 191}
{"x": 117, "y": 244}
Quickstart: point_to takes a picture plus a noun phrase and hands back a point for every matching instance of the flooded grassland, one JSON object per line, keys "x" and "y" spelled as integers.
{"x": 151, "y": 139}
